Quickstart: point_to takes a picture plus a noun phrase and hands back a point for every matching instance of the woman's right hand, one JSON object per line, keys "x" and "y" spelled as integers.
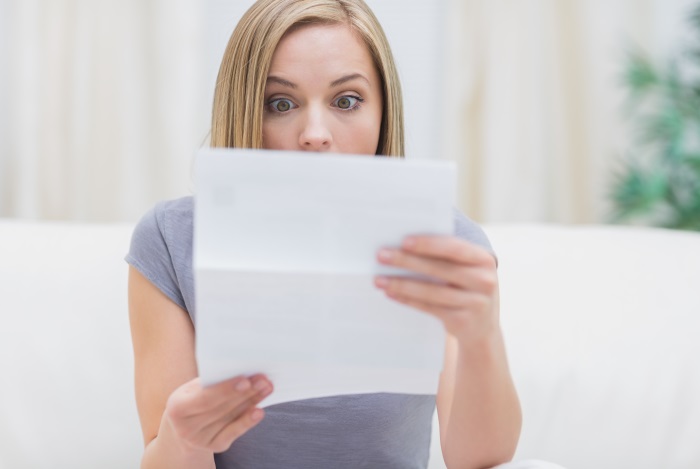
{"x": 212, "y": 418}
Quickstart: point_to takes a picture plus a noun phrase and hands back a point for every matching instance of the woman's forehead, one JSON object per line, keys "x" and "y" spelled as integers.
{"x": 321, "y": 48}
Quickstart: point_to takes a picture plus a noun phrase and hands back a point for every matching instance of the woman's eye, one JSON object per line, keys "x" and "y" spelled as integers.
{"x": 347, "y": 103}
{"x": 281, "y": 105}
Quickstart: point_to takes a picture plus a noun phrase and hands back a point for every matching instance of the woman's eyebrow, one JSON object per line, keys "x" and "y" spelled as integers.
{"x": 340, "y": 81}
{"x": 347, "y": 78}
{"x": 282, "y": 81}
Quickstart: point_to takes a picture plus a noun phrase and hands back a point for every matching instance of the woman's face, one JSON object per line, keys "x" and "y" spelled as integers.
{"x": 323, "y": 93}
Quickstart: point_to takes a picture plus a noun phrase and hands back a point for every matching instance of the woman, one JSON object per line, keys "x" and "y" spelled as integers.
{"x": 317, "y": 75}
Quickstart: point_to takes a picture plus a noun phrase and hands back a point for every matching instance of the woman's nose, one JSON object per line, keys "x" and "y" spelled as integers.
{"x": 316, "y": 134}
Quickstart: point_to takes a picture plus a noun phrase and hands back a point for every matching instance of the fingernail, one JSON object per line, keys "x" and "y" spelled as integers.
{"x": 260, "y": 385}
{"x": 409, "y": 242}
{"x": 244, "y": 385}
{"x": 385, "y": 255}
{"x": 381, "y": 282}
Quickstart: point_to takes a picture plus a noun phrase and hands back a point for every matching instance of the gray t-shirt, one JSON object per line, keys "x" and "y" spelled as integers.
{"x": 351, "y": 431}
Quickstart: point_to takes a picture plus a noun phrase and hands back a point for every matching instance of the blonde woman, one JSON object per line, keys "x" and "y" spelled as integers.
{"x": 316, "y": 75}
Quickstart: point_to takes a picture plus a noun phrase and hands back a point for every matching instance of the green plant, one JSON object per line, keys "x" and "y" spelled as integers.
{"x": 659, "y": 179}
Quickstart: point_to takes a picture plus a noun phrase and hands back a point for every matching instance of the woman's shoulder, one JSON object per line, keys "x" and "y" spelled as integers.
{"x": 167, "y": 227}
{"x": 469, "y": 230}
{"x": 174, "y": 210}
{"x": 166, "y": 219}
{"x": 161, "y": 248}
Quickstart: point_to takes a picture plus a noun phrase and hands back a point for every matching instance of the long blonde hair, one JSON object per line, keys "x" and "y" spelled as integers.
{"x": 239, "y": 95}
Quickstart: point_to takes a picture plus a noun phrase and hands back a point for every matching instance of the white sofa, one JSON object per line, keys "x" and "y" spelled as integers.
{"x": 601, "y": 323}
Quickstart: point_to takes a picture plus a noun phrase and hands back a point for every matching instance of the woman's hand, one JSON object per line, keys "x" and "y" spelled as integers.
{"x": 212, "y": 418}
{"x": 465, "y": 300}
{"x": 478, "y": 408}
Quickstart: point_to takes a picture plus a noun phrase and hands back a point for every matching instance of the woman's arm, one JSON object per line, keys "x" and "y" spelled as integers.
{"x": 183, "y": 423}
{"x": 478, "y": 408}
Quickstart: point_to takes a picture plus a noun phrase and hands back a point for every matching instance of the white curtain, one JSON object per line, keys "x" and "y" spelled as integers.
{"x": 103, "y": 106}
{"x": 535, "y": 119}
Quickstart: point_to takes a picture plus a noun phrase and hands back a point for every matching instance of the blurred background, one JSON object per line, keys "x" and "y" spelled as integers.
{"x": 561, "y": 111}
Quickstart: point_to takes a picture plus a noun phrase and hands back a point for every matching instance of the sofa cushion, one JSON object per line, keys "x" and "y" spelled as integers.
{"x": 65, "y": 351}
{"x": 602, "y": 327}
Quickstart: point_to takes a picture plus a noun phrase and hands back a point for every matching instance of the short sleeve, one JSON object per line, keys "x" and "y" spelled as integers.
{"x": 149, "y": 253}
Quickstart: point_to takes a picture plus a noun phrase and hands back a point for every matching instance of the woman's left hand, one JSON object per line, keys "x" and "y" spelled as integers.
{"x": 465, "y": 300}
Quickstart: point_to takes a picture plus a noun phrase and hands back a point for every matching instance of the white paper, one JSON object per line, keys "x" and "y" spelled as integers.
{"x": 285, "y": 256}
